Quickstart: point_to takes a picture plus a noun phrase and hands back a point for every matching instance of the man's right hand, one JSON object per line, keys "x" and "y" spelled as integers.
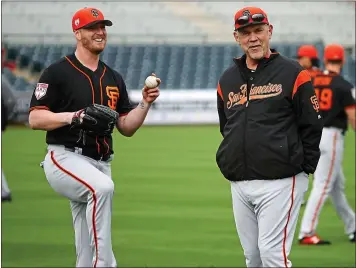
{"x": 76, "y": 118}
{"x": 96, "y": 119}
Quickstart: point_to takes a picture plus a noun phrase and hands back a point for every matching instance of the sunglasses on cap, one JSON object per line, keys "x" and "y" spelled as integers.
{"x": 244, "y": 19}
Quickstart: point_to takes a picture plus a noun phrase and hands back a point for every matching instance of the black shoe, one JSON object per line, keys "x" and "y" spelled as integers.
{"x": 352, "y": 237}
{"x": 6, "y": 198}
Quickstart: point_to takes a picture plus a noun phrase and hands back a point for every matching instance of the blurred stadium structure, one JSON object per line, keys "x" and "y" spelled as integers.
{"x": 187, "y": 44}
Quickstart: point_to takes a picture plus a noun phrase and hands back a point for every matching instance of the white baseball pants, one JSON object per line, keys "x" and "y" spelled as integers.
{"x": 266, "y": 214}
{"x": 5, "y": 190}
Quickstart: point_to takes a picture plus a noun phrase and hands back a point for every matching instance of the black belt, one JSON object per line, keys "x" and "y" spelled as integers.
{"x": 93, "y": 156}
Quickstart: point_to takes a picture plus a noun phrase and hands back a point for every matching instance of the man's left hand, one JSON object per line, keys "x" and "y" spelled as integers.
{"x": 151, "y": 94}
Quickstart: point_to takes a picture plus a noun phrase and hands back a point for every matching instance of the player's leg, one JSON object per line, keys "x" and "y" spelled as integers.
{"x": 278, "y": 203}
{"x": 324, "y": 178}
{"x": 5, "y": 190}
{"x": 84, "y": 251}
{"x": 246, "y": 224}
{"x": 105, "y": 167}
{"x": 305, "y": 197}
{"x": 76, "y": 178}
{"x": 343, "y": 208}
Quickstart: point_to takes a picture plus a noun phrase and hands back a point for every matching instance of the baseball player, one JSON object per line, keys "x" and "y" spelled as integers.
{"x": 271, "y": 130}
{"x": 308, "y": 58}
{"x": 79, "y": 100}
{"x": 5, "y": 190}
{"x": 337, "y": 106}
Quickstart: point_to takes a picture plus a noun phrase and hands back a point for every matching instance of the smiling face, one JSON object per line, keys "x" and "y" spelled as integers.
{"x": 254, "y": 40}
{"x": 92, "y": 38}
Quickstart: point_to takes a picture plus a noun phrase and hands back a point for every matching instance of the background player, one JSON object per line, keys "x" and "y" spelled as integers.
{"x": 338, "y": 108}
{"x": 308, "y": 58}
{"x": 71, "y": 102}
{"x": 5, "y": 190}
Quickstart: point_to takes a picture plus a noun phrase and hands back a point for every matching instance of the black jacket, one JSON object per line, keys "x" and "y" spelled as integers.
{"x": 269, "y": 119}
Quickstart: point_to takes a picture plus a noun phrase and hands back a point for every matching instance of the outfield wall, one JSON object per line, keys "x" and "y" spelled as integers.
{"x": 181, "y": 107}
{"x": 173, "y": 107}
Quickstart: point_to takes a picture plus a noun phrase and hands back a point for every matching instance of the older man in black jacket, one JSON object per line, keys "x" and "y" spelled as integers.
{"x": 271, "y": 127}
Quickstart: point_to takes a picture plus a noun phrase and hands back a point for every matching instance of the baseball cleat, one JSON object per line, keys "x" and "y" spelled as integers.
{"x": 352, "y": 237}
{"x": 313, "y": 240}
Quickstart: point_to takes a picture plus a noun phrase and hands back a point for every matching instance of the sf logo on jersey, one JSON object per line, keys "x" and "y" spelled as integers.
{"x": 113, "y": 94}
{"x": 315, "y": 102}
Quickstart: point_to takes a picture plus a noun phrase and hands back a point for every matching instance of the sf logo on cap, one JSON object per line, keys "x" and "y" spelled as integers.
{"x": 95, "y": 13}
{"x": 246, "y": 13}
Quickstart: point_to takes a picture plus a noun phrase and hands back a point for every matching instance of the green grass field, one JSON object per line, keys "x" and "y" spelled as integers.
{"x": 172, "y": 207}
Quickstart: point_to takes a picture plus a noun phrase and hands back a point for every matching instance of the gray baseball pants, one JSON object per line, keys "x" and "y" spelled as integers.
{"x": 88, "y": 185}
{"x": 329, "y": 180}
{"x": 266, "y": 214}
{"x": 5, "y": 190}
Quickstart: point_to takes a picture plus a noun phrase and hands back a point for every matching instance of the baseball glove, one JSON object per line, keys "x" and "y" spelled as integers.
{"x": 96, "y": 119}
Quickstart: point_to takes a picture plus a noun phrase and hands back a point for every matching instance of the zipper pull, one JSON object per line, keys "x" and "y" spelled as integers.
{"x": 247, "y": 103}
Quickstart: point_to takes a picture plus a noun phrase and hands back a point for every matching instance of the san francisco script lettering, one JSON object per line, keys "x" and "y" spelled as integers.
{"x": 256, "y": 92}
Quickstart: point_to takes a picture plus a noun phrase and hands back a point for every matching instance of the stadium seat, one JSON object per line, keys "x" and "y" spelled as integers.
{"x": 9, "y": 75}
{"x": 179, "y": 66}
{"x": 20, "y": 84}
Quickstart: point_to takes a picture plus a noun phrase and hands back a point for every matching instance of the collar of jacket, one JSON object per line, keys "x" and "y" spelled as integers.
{"x": 241, "y": 62}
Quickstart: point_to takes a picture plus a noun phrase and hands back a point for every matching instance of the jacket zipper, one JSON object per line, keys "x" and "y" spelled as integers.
{"x": 245, "y": 138}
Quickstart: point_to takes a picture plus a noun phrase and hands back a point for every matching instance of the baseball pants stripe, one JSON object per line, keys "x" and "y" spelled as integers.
{"x": 94, "y": 207}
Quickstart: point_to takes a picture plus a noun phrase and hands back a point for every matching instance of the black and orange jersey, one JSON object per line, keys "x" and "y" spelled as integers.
{"x": 335, "y": 96}
{"x": 269, "y": 120}
{"x": 68, "y": 86}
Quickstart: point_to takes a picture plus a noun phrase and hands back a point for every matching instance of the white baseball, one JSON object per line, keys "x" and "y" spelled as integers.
{"x": 151, "y": 82}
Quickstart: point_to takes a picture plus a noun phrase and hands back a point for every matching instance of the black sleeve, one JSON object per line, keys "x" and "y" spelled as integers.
{"x": 45, "y": 94}
{"x": 124, "y": 105}
{"x": 346, "y": 95}
{"x": 221, "y": 112}
{"x": 310, "y": 124}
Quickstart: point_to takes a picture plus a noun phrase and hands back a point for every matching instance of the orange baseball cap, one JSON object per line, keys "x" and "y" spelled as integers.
{"x": 87, "y": 17}
{"x": 309, "y": 51}
{"x": 334, "y": 52}
{"x": 250, "y": 16}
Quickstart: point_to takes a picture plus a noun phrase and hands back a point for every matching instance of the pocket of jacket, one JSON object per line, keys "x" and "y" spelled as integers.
{"x": 280, "y": 147}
